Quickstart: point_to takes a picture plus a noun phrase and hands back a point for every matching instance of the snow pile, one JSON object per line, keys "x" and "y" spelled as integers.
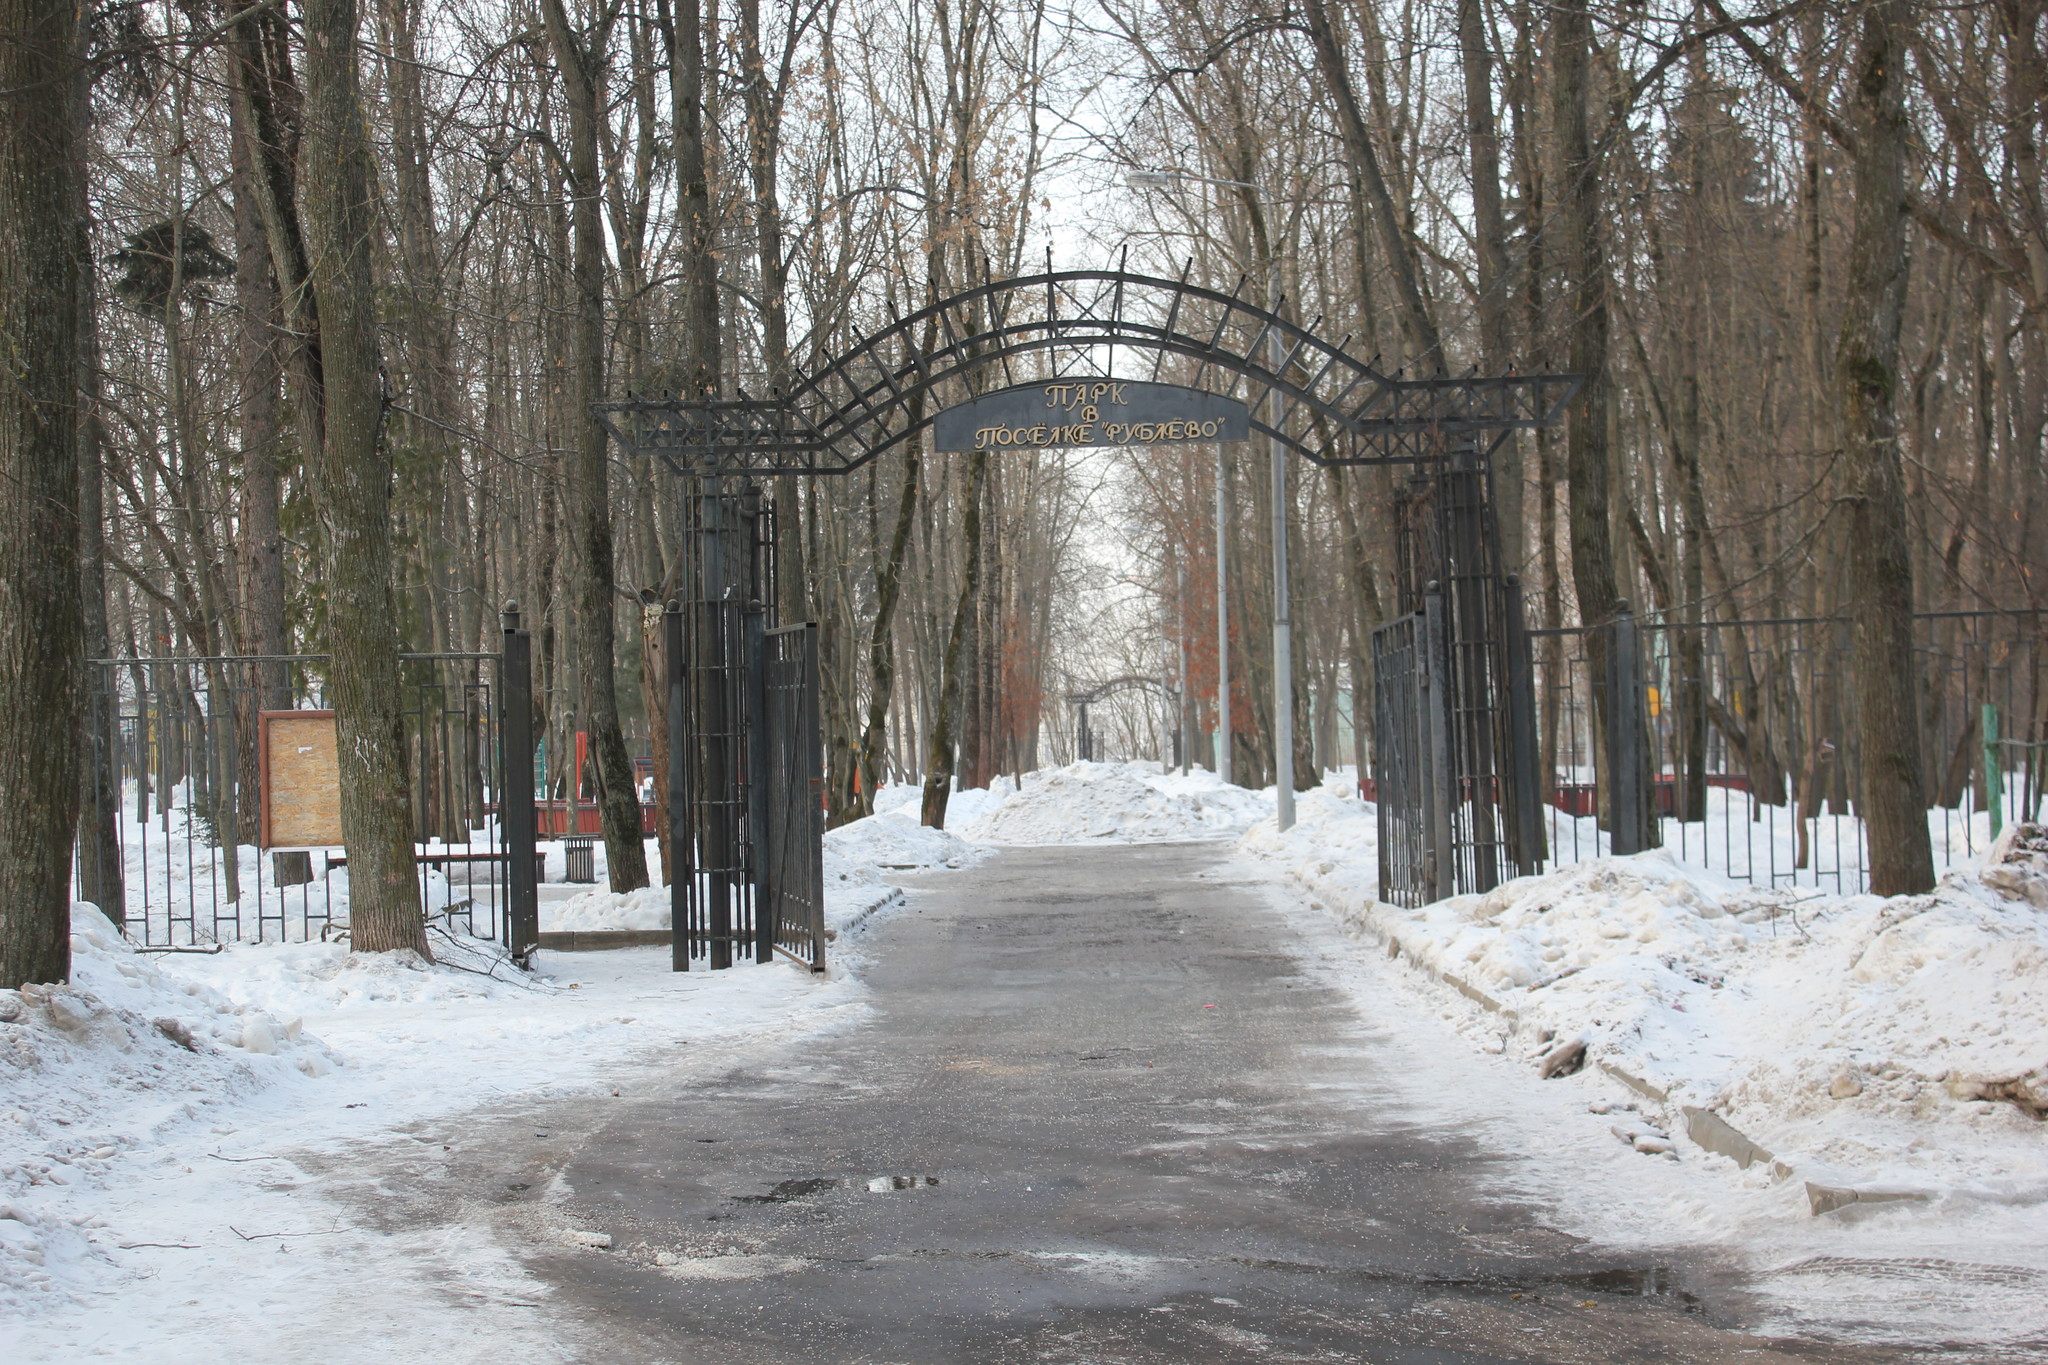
{"x": 860, "y": 854}
{"x": 964, "y": 807}
{"x": 646, "y": 908}
{"x": 1113, "y": 803}
{"x": 106, "y": 1064}
{"x": 894, "y": 841}
{"x": 309, "y": 979}
{"x": 857, "y": 858}
{"x": 1898, "y": 1043}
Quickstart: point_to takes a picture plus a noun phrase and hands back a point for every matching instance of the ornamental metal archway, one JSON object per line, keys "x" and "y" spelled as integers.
{"x": 884, "y": 391}
{"x": 1460, "y": 806}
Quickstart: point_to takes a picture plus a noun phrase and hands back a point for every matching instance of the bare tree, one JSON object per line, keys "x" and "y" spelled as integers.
{"x": 1879, "y": 577}
{"x": 42, "y": 217}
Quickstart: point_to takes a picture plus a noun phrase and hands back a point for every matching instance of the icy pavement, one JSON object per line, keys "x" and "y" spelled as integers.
{"x": 1891, "y": 1047}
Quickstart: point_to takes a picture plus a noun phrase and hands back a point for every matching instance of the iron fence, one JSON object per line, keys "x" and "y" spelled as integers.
{"x": 1736, "y": 745}
{"x": 171, "y": 839}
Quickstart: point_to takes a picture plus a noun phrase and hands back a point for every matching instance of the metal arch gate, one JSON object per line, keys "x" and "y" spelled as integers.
{"x": 744, "y": 816}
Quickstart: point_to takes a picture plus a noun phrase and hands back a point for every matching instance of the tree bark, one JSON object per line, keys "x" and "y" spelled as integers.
{"x": 261, "y": 549}
{"x": 1583, "y": 294}
{"x": 938, "y": 776}
{"x": 688, "y": 63}
{"x": 1879, "y": 577}
{"x": 102, "y": 875}
{"x": 1420, "y": 327}
{"x": 42, "y": 220}
{"x": 881, "y": 640}
{"x": 1490, "y": 250}
{"x": 592, "y": 614}
{"x": 341, "y": 402}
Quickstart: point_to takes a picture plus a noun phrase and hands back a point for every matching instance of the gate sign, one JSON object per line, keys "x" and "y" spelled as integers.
{"x": 1090, "y": 412}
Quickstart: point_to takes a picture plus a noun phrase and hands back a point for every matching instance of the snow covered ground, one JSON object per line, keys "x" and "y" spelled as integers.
{"x": 1094, "y": 803}
{"x": 859, "y": 858}
{"x": 1878, "y": 1050}
{"x": 159, "y": 1118}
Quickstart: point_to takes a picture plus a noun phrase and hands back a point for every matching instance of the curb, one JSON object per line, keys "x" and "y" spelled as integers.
{"x": 1704, "y": 1127}
{"x": 894, "y": 898}
{"x": 1707, "y": 1129}
{"x": 602, "y": 940}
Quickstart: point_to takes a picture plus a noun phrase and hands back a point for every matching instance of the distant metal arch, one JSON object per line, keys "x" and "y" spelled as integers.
{"x": 1095, "y": 692}
{"x": 880, "y": 393}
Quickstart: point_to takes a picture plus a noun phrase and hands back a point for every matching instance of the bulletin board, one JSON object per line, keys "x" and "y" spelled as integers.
{"x": 301, "y": 779}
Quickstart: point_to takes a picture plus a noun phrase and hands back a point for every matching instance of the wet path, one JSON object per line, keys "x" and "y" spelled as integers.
{"x": 1098, "y": 1118}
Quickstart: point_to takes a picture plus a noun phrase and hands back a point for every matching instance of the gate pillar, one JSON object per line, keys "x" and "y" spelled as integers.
{"x": 517, "y": 831}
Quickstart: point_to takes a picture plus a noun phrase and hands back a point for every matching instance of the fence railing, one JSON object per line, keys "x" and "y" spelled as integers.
{"x": 171, "y": 831}
{"x": 1739, "y": 752}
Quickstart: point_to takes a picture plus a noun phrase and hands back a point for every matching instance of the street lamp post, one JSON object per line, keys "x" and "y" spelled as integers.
{"x": 1222, "y": 623}
{"x": 1283, "y": 630}
{"x": 1283, "y": 627}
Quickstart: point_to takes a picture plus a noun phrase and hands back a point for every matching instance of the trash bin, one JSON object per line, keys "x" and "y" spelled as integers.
{"x": 579, "y": 858}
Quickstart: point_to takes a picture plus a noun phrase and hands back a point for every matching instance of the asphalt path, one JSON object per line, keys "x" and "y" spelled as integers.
{"x": 1097, "y": 1115}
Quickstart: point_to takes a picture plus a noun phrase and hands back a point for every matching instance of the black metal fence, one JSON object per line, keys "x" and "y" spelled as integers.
{"x": 1412, "y": 829}
{"x": 795, "y": 825}
{"x": 171, "y": 832}
{"x": 1735, "y": 745}
{"x": 1455, "y": 760}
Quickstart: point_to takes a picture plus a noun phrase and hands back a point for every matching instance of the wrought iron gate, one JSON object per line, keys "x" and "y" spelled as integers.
{"x": 795, "y": 826}
{"x": 745, "y": 757}
{"x": 1455, "y": 757}
{"x": 891, "y": 386}
{"x": 1410, "y": 813}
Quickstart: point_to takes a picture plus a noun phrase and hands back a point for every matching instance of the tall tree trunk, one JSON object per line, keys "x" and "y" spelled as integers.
{"x": 592, "y": 613}
{"x": 261, "y": 552}
{"x": 938, "y": 775}
{"x": 1583, "y": 296}
{"x": 42, "y": 220}
{"x": 688, "y": 63}
{"x": 341, "y": 403}
{"x": 1490, "y": 249}
{"x": 1416, "y": 322}
{"x": 102, "y": 875}
{"x": 1879, "y": 578}
{"x": 881, "y": 641}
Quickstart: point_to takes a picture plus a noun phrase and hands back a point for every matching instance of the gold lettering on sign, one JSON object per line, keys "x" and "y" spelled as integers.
{"x": 1082, "y": 431}
{"x": 1082, "y": 397}
{"x": 1079, "y": 407}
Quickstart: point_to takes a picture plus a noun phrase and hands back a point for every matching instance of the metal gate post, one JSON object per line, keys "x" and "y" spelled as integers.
{"x": 517, "y": 831}
{"x": 720, "y": 816}
{"x": 760, "y": 864}
{"x": 1625, "y": 757}
{"x": 682, "y": 853}
{"x": 1525, "y": 801}
{"x": 1440, "y": 871}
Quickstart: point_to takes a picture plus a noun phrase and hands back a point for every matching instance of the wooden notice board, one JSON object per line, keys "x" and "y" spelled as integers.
{"x": 301, "y": 779}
